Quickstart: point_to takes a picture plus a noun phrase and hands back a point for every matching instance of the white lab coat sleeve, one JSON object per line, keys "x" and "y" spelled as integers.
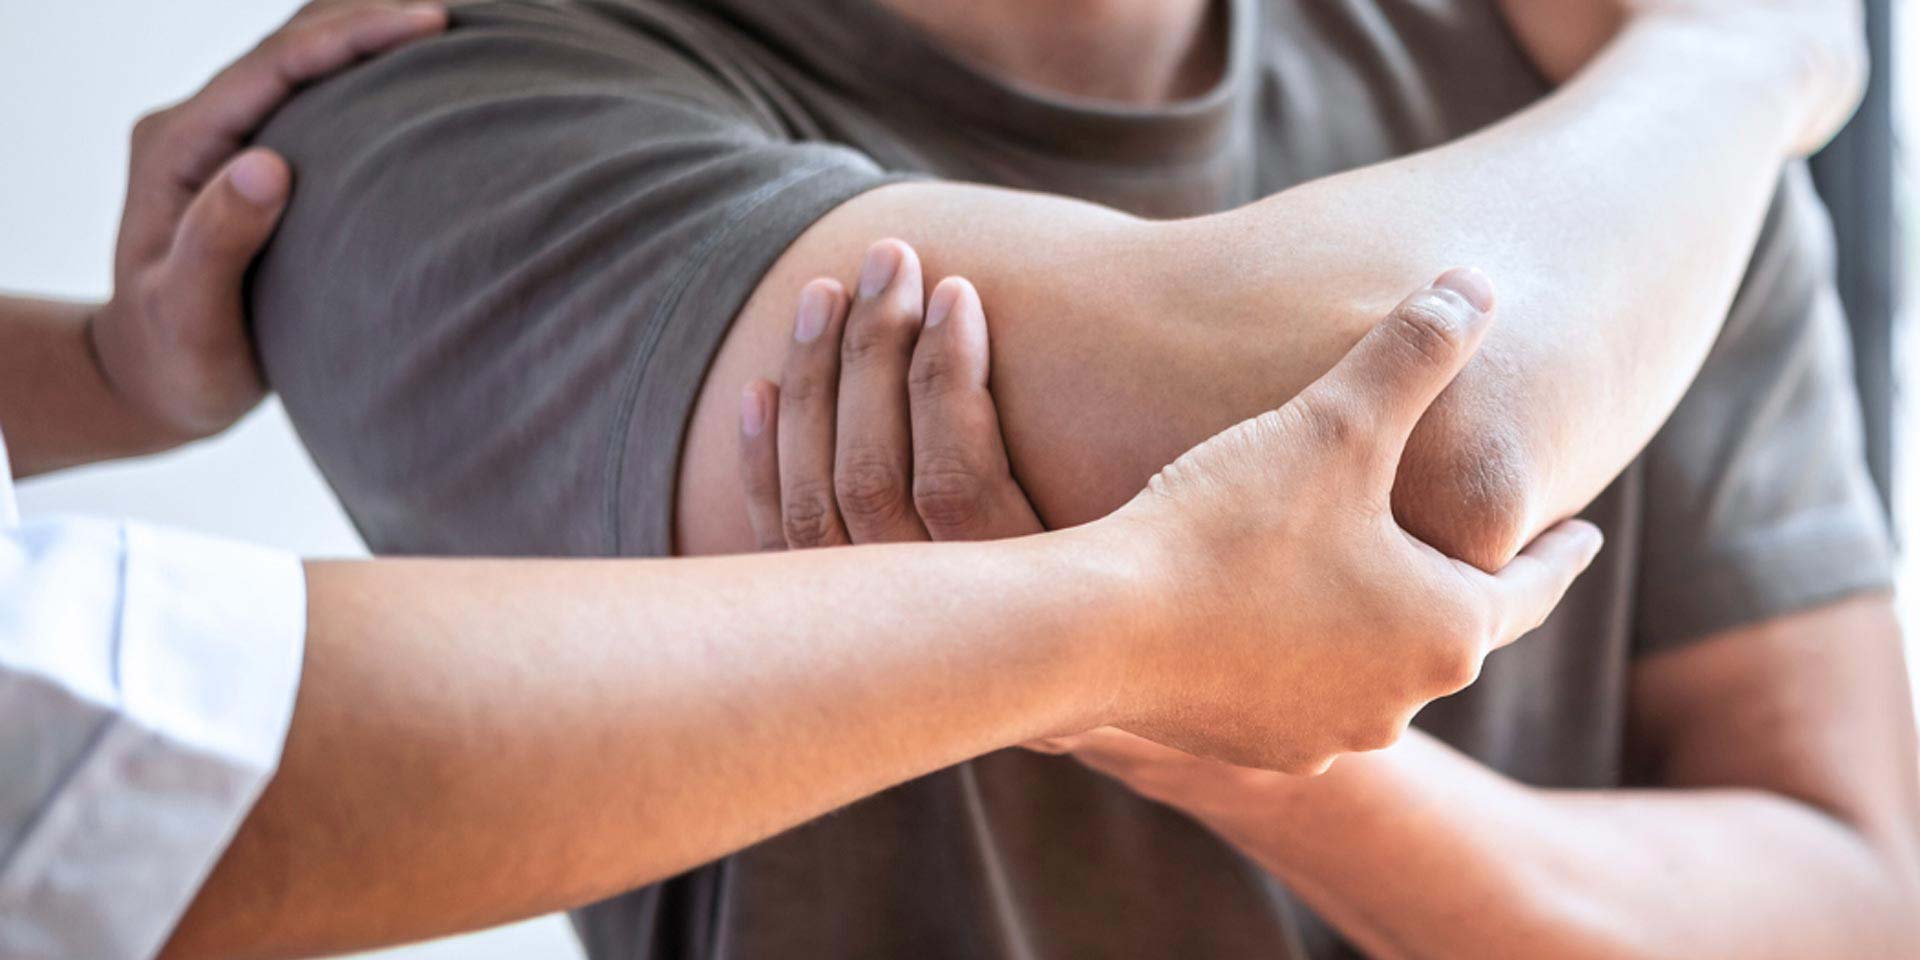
{"x": 147, "y": 679}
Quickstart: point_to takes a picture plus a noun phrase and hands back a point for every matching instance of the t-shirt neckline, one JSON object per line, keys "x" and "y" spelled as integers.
{"x": 894, "y": 66}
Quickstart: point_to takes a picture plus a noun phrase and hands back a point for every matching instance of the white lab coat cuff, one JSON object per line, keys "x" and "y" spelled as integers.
{"x": 210, "y": 641}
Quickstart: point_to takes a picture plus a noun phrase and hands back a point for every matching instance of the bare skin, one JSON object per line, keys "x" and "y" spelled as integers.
{"x": 1123, "y": 341}
{"x": 1784, "y": 751}
{"x": 481, "y": 730}
{"x": 1785, "y": 828}
{"x": 166, "y": 361}
{"x": 539, "y": 735}
{"x": 352, "y": 729}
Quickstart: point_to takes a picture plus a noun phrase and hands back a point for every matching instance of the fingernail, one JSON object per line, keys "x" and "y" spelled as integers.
{"x": 1472, "y": 286}
{"x": 257, "y": 178}
{"x": 883, "y": 261}
{"x": 1595, "y": 541}
{"x": 753, "y": 411}
{"x": 945, "y": 297}
{"x": 434, "y": 13}
{"x": 816, "y": 302}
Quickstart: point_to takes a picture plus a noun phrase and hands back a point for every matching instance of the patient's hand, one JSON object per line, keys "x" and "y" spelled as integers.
{"x": 173, "y": 342}
{"x": 1295, "y": 619}
{"x": 1819, "y": 45}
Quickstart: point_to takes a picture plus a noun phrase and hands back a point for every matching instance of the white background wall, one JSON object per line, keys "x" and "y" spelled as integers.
{"x": 74, "y": 74}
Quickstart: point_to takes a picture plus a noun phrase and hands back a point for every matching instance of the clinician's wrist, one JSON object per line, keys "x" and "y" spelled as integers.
{"x": 1131, "y": 611}
{"x": 57, "y": 406}
{"x": 117, "y": 368}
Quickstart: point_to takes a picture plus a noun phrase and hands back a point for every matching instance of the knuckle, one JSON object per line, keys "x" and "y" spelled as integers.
{"x": 1431, "y": 325}
{"x": 949, "y": 491}
{"x": 870, "y": 486}
{"x": 807, "y": 515}
{"x": 933, "y": 374}
{"x": 273, "y": 47}
{"x": 306, "y": 52}
{"x": 1336, "y": 421}
{"x": 154, "y": 297}
{"x": 304, "y": 49}
{"x": 803, "y": 388}
{"x": 882, "y": 333}
{"x": 148, "y": 127}
{"x": 759, "y": 486}
{"x": 1380, "y": 735}
{"x": 1456, "y": 664}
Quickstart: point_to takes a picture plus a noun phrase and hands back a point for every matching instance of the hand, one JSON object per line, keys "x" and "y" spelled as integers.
{"x": 1820, "y": 45}
{"x": 882, "y": 428}
{"x": 1165, "y": 775}
{"x": 1299, "y": 620}
{"x": 172, "y": 342}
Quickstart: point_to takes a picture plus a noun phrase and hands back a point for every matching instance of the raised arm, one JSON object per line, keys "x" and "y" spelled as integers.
{"x": 1119, "y": 340}
{"x": 479, "y": 741}
{"x": 1775, "y": 814}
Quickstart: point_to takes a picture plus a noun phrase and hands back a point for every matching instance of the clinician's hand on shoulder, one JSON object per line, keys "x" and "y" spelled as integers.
{"x": 170, "y": 356}
{"x": 1296, "y": 619}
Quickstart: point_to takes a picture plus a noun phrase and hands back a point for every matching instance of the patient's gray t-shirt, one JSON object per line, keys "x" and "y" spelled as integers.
{"x": 515, "y": 248}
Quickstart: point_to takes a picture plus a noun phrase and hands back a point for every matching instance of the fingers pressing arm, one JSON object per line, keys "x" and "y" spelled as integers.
{"x": 1289, "y": 581}
{"x": 1307, "y": 591}
{"x": 882, "y": 429}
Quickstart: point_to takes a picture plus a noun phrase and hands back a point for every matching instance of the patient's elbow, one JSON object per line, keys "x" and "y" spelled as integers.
{"x": 1467, "y": 489}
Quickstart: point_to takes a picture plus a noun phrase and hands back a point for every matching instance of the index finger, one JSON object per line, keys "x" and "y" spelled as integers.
{"x": 213, "y": 123}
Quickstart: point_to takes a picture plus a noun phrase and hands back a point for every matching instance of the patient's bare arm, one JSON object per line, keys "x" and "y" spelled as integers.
{"x": 1120, "y": 341}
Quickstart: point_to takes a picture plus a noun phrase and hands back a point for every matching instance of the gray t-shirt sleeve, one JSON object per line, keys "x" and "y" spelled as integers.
{"x": 1758, "y": 502}
{"x": 511, "y": 253}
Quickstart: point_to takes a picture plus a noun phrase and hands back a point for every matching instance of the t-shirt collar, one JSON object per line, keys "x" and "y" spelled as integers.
{"x": 876, "y": 57}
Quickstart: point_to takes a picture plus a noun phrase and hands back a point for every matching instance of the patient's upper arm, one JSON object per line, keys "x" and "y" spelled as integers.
{"x": 529, "y": 263}
{"x": 510, "y": 254}
{"x": 515, "y": 249}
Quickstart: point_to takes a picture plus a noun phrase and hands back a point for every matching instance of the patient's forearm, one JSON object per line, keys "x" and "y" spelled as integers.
{"x": 1614, "y": 217}
{"x": 477, "y": 742}
{"x": 1419, "y": 853}
{"x": 1779, "y": 822}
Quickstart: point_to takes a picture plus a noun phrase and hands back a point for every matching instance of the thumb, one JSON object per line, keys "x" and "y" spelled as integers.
{"x": 1530, "y": 586}
{"x": 1384, "y": 385}
{"x": 226, "y": 226}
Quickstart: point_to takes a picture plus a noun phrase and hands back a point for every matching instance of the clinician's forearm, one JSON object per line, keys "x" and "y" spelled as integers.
{"x": 1614, "y": 218}
{"x": 57, "y": 410}
{"x": 476, "y": 742}
{"x": 1419, "y": 853}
